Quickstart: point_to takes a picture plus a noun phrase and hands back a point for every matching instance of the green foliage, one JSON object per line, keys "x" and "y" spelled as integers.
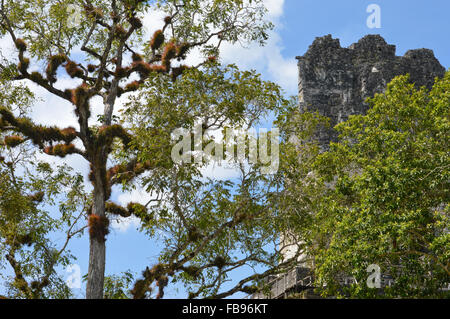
{"x": 30, "y": 190}
{"x": 205, "y": 240}
{"x": 51, "y": 27}
{"x": 28, "y": 252}
{"x": 381, "y": 196}
{"x": 218, "y": 96}
{"x": 208, "y": 227}
{"x": 215, "y": 16}
{"x": 118, "y": 287}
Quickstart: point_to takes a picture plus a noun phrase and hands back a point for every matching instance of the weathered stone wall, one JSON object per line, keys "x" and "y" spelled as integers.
{"x": 336, "y": 81}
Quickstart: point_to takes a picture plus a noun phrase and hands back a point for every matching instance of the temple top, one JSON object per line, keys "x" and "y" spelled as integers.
{"x": 335, "y": 81}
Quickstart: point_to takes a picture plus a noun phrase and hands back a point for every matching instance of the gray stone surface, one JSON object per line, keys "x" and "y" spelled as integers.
{"x": 336, "y": 81}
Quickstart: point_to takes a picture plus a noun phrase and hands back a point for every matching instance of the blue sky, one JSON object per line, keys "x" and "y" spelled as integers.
{"x": 409, "y": 24}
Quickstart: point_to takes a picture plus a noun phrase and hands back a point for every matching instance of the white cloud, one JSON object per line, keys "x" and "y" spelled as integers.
{"x": 51, "y": 109}
{"x": 275, "y": 7}
{"x": 269, "y": 58}
{"x": 7, "y": 47}
{"x": 122, "y": 225}
{"x": 222, "y": 171}
{"x": 283, "y": 70}
{"x": 153, "y": 20}
{"x": 138, "y": 195}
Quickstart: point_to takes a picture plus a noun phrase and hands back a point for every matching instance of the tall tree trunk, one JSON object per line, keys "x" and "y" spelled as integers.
{"x": 97, "y": 250}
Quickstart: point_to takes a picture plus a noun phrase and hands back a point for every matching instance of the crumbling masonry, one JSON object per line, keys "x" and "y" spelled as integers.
{"x": 336, "y": 81}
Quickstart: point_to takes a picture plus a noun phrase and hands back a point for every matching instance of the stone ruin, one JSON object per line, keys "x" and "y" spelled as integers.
{"x": 336, "y": 81}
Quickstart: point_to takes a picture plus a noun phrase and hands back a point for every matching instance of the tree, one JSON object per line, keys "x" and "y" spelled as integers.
{"x": 211, "y": 227}
{"x": 119, "y": 287}
{"x": 382, "y": 196}
{"x": 108, "y": 59}
{"x": 27, "y": 226}
{"x": 30, "y": 191}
